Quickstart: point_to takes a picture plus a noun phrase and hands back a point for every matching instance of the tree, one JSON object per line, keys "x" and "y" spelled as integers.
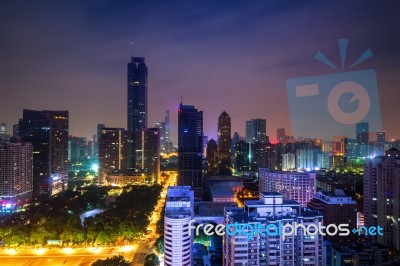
{"x": 159, "y": 245}
{"x": 73, "y": 231}
{"x": 103, "y": 238}
{"x": 113, "y": 261}
{"x": 151, "y": 260}
{"x": 39, "y": 235}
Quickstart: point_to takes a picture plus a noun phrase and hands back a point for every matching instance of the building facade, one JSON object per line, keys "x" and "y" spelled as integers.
{"x": 212, "y": 157}
{"x": 362, "y": 138}
{"x": 179, "y": 211}
{"x": 112, "y": 151}
{"x": 337, "y": 208}
{"x": 48, "y": 133}
{"x": 137, "y": 104}
{"x": 190, "y": 148}
{"x": 16, "y": 175}
{"x": 148, "y": 152}
{"x": 224, "y": 144}
{"x": 382, "y": 197}
{"x": 271, "y": 249}
{"x": 297, "y": 186}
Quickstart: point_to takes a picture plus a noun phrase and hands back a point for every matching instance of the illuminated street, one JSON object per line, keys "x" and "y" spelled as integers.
{"x": 56, "y": 256}
{"x": 146, "y": 247}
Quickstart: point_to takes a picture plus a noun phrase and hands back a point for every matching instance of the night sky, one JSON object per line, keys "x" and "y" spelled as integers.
{"x": 232, "y": 56}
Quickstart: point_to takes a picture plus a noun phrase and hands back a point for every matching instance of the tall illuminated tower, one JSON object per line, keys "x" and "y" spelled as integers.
{"x": 137, "y": 104}
{"x": 224, "y": 143}
{"x": 190, "y": 148}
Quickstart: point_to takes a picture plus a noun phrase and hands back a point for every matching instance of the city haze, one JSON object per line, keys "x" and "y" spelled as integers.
{"x": 226, "y": 56}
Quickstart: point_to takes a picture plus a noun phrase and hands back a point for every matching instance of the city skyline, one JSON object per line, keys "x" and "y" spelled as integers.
{"x": 218, "y": 57}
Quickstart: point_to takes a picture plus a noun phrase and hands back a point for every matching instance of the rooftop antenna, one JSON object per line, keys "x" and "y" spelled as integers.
{"x": 181, "y": 99}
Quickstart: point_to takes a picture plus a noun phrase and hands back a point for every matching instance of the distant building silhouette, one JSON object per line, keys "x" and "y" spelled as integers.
{"x": 212, "y": 157}
{"x": 224, "y": 144}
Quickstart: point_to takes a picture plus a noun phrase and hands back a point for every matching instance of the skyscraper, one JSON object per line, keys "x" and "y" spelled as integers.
{"x": 148, "y": 156}
{"x": 179, "y": 210}
{"x": 15, "y": 130}
{"x": 281, "y": 135}
{"x": 224, "y": 144}
{"x": 242, "y": 156}
{"x": 137, "y": 104}
{"x": 15, "y": 175}
{"x": 382, "y": 197}
{"x": 256, "y": 130}
{"x": 168, "y": 143}
{"x": 212, "y": 157}
{"x": 4, "y": 137}
{"x": 3, "y": 129}
{"x": 162, "y": 133}
{"x": 380, "y": 143}
{"x": 190, "y": 148}
{"x": 362, "y": 138}
{"x": 256, "y": 136}
{"x": 48, "y": 133}
{"x": 112, "y": 150}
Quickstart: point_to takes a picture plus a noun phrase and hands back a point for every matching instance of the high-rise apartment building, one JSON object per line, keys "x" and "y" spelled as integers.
{"x": 337, "y": 208}
{"x": 288, "y": 162}
{"x": 77, "y": 148}
{"x": 242, "y": 163}
{"x": 380, "y": 143}
{"x": 112, "y": 150}
{"x": 256, "y": 130}
{"x": 168, "y": 141}
{"x": 137, "y": 104}
{"x": 281, "y": 135}
{"x": 362, "y": 138}
{"x": 224, "y": 144}
{"x": 272, "y": 211}
{"x": 297, "y": 186}
{"x": 161, "y": 129}
{"x": 4, "y": 137}
{"x": 148, "y": 152}
{"x": 190, "y": 148}
{"x": 16, "y": 165}
{"x": 179, "y": 210}
{"x": 48, "y": 133}
{"x": 15, "y": 130}
{"x": 382, "y": 197}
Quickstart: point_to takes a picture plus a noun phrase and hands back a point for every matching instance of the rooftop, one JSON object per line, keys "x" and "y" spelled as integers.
{"x": 211, "y": 209}
{"x": 221, "y": 191}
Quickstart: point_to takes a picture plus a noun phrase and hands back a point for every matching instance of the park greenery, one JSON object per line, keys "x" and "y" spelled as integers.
{"x": 124, "y": 219}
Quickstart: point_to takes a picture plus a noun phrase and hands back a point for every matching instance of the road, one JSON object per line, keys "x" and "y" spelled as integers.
{"x": 65, "y": 257}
